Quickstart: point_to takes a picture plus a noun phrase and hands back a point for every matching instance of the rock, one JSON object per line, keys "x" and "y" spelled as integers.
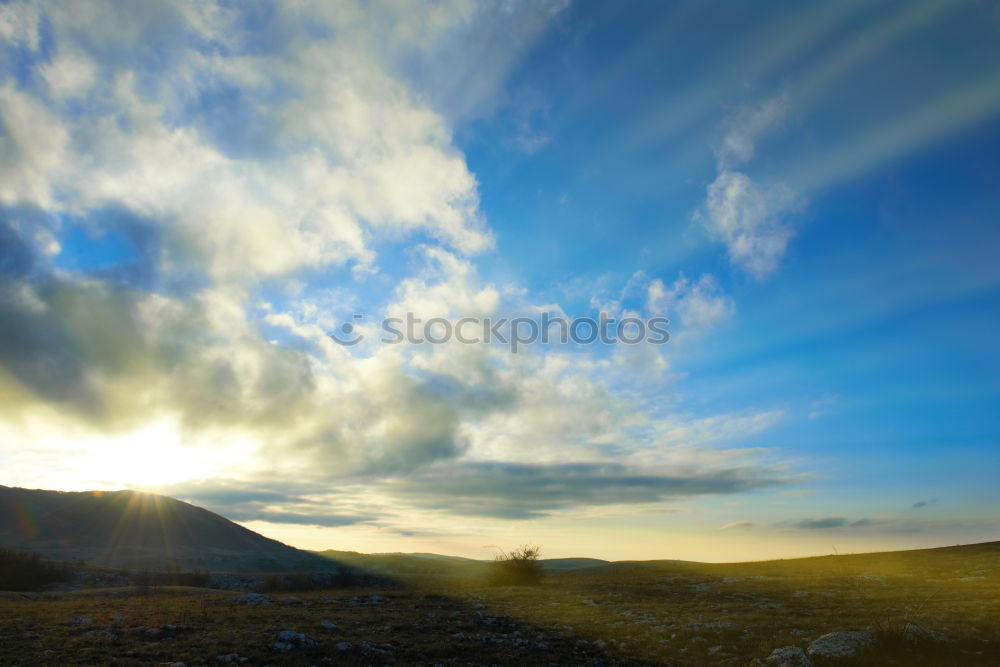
{"x": 918, "y": 633}
{"x": 231, "y": 658}
{"x": 152, "y": 633}
{"x": 254, "y": 599}
{"x": 479, "y": 619}
{"x": 327, "y": 624}
{"x": 289, "y": 640}
{"x": 79, "y": 620}
{"x": 712, "y": 626}
{"x": 370, "y": 599}
{"x": 343, "y": 646}
{"x": 375, "y": 648}
{"x": 289, "y": 599}
{"x": 846, "y": 644}
{"x": 788, "y": 656}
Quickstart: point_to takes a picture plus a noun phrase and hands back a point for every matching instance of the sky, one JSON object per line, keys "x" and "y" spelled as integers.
{"x": 197, "y": 197}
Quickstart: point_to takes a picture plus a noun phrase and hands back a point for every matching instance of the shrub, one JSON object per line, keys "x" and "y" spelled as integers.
{"x": 519, "y": 567}
{"x": 20, "y": 571}
{"x": 174, "y": 576}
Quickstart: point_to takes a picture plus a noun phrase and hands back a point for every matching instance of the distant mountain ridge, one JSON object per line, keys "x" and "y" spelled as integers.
{"x": 145, "y": 531}
{"x": 133, "y": 530}
{"x": 437, "y": 564}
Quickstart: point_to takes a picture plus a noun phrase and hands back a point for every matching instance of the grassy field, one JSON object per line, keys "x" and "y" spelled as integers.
{"x": 931, "y": 607}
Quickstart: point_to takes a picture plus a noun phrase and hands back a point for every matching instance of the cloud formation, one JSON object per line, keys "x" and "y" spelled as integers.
{"x": 328, "y": 150}
{"x": 698, "y": 304}
{"x": 520, "y": 491}
{"x": 193, "y": 194}
{"x": 746, "y": 216}
{"x": 739, "y": 525}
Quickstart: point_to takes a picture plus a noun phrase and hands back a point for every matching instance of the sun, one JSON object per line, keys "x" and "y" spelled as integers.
{"x": 157, "y": 454}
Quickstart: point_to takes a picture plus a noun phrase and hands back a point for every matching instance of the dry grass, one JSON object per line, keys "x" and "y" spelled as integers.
{"x": 670, "y": 613}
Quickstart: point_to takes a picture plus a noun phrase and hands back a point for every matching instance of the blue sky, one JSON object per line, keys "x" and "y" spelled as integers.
{"x": 194, "y": 194}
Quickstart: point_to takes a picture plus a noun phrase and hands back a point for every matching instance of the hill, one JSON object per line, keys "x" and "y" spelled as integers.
{"x": 133, "y": 530}
{"x": 920, "y": 608}
{"x": 395, "y": 564}
{"x": 568, "y": 564}
{"x": 449, "y": 566}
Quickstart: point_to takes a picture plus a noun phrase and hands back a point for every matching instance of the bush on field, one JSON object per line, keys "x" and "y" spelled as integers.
{"x": 20, "y": 571}
{"x": 173, "y": 576}
{"x": 519, "y": 567}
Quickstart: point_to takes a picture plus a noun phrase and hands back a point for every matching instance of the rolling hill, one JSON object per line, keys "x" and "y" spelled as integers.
{"x": 440, "y": 565}
{"x": 133, "y": 530}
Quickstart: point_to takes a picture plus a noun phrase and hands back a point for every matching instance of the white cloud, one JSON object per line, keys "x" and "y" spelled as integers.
{"x": 348, "y": 152}
{"x": 324, "y": 150}
{"x": 19, "y": 24}
{"x": 697, "y": 304}
{"x": 69, "y": 76}
{"x": 32, "y": 148}
{"x": 744, "y": 128}
{"x": 738, "y": 525}
{"x": 747, "y": 217}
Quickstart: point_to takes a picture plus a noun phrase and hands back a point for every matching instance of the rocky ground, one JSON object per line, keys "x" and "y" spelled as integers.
{"x": 836, "y": 611}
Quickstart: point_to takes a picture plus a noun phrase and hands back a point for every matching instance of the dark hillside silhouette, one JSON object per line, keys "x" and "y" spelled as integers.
{"x": 128, "y": 529}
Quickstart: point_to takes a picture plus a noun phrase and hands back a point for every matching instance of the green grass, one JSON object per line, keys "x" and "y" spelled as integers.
{"x": 643, "y": 613}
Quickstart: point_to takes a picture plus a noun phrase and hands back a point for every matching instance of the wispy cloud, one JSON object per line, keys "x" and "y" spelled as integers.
{"x": 518, "y": 491}
{"x": 746, "y": 216}
{"x": 739, "y": 525}
{"x": 695, "y": 304}
{"x": 828, "y": 522}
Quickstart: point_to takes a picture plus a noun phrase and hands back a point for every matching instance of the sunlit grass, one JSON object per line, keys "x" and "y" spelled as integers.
{"x": 644, "y": 613}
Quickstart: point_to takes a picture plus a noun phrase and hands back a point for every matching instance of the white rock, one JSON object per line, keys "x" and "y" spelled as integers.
{"x": 253, "y": 598}
{"x": 788, "y": 656}
{"x": 916, "y": 633}
{"x": 845, "y": 644}
{"x": 289, "y": 639}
